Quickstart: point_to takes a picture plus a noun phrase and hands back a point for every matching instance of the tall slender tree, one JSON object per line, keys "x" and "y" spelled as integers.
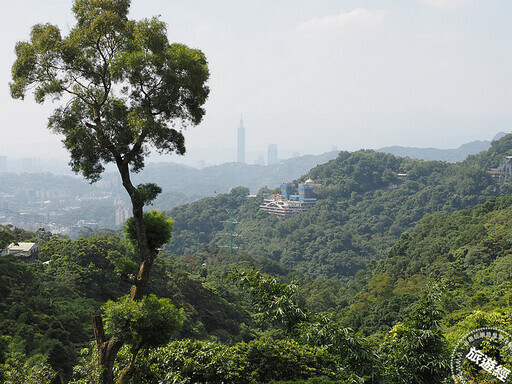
{"x": 123, "y": 90}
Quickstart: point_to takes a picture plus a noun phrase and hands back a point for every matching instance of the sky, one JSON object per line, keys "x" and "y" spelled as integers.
{"x": 309, "y": 76}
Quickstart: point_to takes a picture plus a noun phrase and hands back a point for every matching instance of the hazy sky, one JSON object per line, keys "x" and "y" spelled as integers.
{"x": 308, "y": 75}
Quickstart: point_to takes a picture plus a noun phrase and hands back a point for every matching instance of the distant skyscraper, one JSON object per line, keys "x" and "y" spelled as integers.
{"x": 240, "y": 147}
{"x": 122, "y": 214}
{"x": 272, "y": 154}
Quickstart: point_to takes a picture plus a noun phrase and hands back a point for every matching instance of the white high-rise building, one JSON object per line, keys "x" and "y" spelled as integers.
{"x": 240, "y": 147}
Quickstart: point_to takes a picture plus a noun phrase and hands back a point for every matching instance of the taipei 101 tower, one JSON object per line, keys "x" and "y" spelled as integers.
{"x": 240, "y": 147}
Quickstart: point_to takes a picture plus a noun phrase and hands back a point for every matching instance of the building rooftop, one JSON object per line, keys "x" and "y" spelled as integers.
{"x": 22, "y": 247}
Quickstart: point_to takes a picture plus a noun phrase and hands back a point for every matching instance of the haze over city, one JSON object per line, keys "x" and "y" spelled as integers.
{"x": 310, "y": 76}
{"x": 342, "y": 213}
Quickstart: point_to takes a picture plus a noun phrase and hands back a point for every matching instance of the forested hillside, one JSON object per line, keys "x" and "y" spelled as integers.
{"x": 221, "y": 178}
{"x": 244, "y": 326}
{"x": 364, "y": 206}
{"x": 399, "y": 273}
{"x": 468, "y": 252}
{"x": 358, "y": 259}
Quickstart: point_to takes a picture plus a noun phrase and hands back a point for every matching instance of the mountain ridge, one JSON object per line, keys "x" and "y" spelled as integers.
{"x": 453, "y": 155}
{"x": 357, "y": 217}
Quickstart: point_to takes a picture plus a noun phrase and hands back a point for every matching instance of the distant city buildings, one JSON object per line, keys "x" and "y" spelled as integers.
{"x": 240, "y": 144}
{"x": 122, "y": 214}
{"x": 272, "y": 154}
{"x": 247, "y": 153}
{"x": 28, "y": 220}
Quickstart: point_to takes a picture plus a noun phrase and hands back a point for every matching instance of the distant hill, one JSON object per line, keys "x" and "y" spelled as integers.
{"x": 65, "y": 200}
{"x": 365, "y": 205}
{"x": 182, "y": 184}
{"x": 448, "y": 155}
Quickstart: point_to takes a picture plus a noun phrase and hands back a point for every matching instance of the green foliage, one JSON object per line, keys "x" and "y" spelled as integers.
{"x": 105, "y": 61}
{"x": 84, "y": 267}
{"x": 414, "y": 351}
{"x": 499, "y": 319}
{"x": 17, "y": 372}
{"x": 158, "y": 229}
{"x": 497, "y": 350}
{"x": 494, "y": 156}
{"x": 278, "y": 303}
{"x": 275, "y": 301}
{"x": 356, "y": 357}
{"x": 192, "y": 361}
{"x": 215, "y": 309}
{"x": 240, "y": 191}
{"x": 127, "y": 90}
{"x": 202, "y": 222}
{"x": 148, "y": 192}
{"x": 259, "y": 361}
{"x": 142, "y": 324}
{"x": 363, "y": 209}
{"x": 6, "y": 238}
{"x": 45, "y": 309}
{"x": 269, "y": 359}
{"x": 314, "y": 380}
{"x": 467, "y": 250}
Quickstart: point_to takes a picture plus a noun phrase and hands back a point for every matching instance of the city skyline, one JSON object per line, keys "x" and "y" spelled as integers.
{"x": 309, "y": 76}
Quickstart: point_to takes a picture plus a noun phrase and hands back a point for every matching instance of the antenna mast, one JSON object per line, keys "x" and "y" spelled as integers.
{"x": 230, "y": 232}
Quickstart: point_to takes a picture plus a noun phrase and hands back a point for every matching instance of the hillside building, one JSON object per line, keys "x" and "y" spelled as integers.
{"x": 26, "y": 252}
{"x": 504, "y": 171}
{"x": 293, "y": 199}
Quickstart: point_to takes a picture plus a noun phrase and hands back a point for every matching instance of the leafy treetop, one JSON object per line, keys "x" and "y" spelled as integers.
{"x": 125, "y": 87}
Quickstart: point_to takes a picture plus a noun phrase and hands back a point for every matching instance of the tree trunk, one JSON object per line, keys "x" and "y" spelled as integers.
{"x": 129, "y": 371}
{"x": 146, "y": 254}
{"x": 107, "y": 351}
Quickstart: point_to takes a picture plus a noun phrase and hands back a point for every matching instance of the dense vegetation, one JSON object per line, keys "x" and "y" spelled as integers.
{"x": 417, "y": 284}
{"x": 363, "y": 208}
{"x": 468, "y": 251}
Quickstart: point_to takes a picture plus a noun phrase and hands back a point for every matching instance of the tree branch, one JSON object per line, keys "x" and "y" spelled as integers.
{"x": 136, "y": 147}
{"x": 129, "y": 278}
